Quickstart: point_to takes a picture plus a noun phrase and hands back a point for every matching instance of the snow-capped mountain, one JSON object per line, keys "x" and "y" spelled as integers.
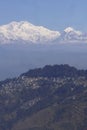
{"x": 28, "y": 33}
{"x": 72, "y": 35}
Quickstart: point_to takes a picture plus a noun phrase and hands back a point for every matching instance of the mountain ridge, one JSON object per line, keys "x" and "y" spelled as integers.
{"x": 63, "y": 70}
{"x": 26, "y": 32}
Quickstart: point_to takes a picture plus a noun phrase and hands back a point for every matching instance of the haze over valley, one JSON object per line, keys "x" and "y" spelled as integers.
{"x": 24, "y": 46}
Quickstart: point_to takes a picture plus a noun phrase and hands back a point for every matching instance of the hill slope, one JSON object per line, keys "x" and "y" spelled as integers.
{"x": 34, "y": 101}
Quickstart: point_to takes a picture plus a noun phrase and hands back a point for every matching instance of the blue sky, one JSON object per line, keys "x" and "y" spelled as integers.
{"x": 53, "y": 14}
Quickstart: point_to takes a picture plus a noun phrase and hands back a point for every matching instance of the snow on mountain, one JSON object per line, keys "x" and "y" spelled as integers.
{"x": 69, "y": 30}
{"x": 27, "y": 32}
{"x": 72, "y": 35}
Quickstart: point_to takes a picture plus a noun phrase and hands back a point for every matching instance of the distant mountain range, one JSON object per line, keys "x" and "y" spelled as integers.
{"x": 25, "y": 32}
{"x": 26, "y": 46}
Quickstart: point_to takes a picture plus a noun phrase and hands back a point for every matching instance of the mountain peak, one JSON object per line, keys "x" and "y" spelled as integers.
{"x": 70, "y": 29}
{"x": 27, "y": 32}
{"x": 19, "y": 23}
